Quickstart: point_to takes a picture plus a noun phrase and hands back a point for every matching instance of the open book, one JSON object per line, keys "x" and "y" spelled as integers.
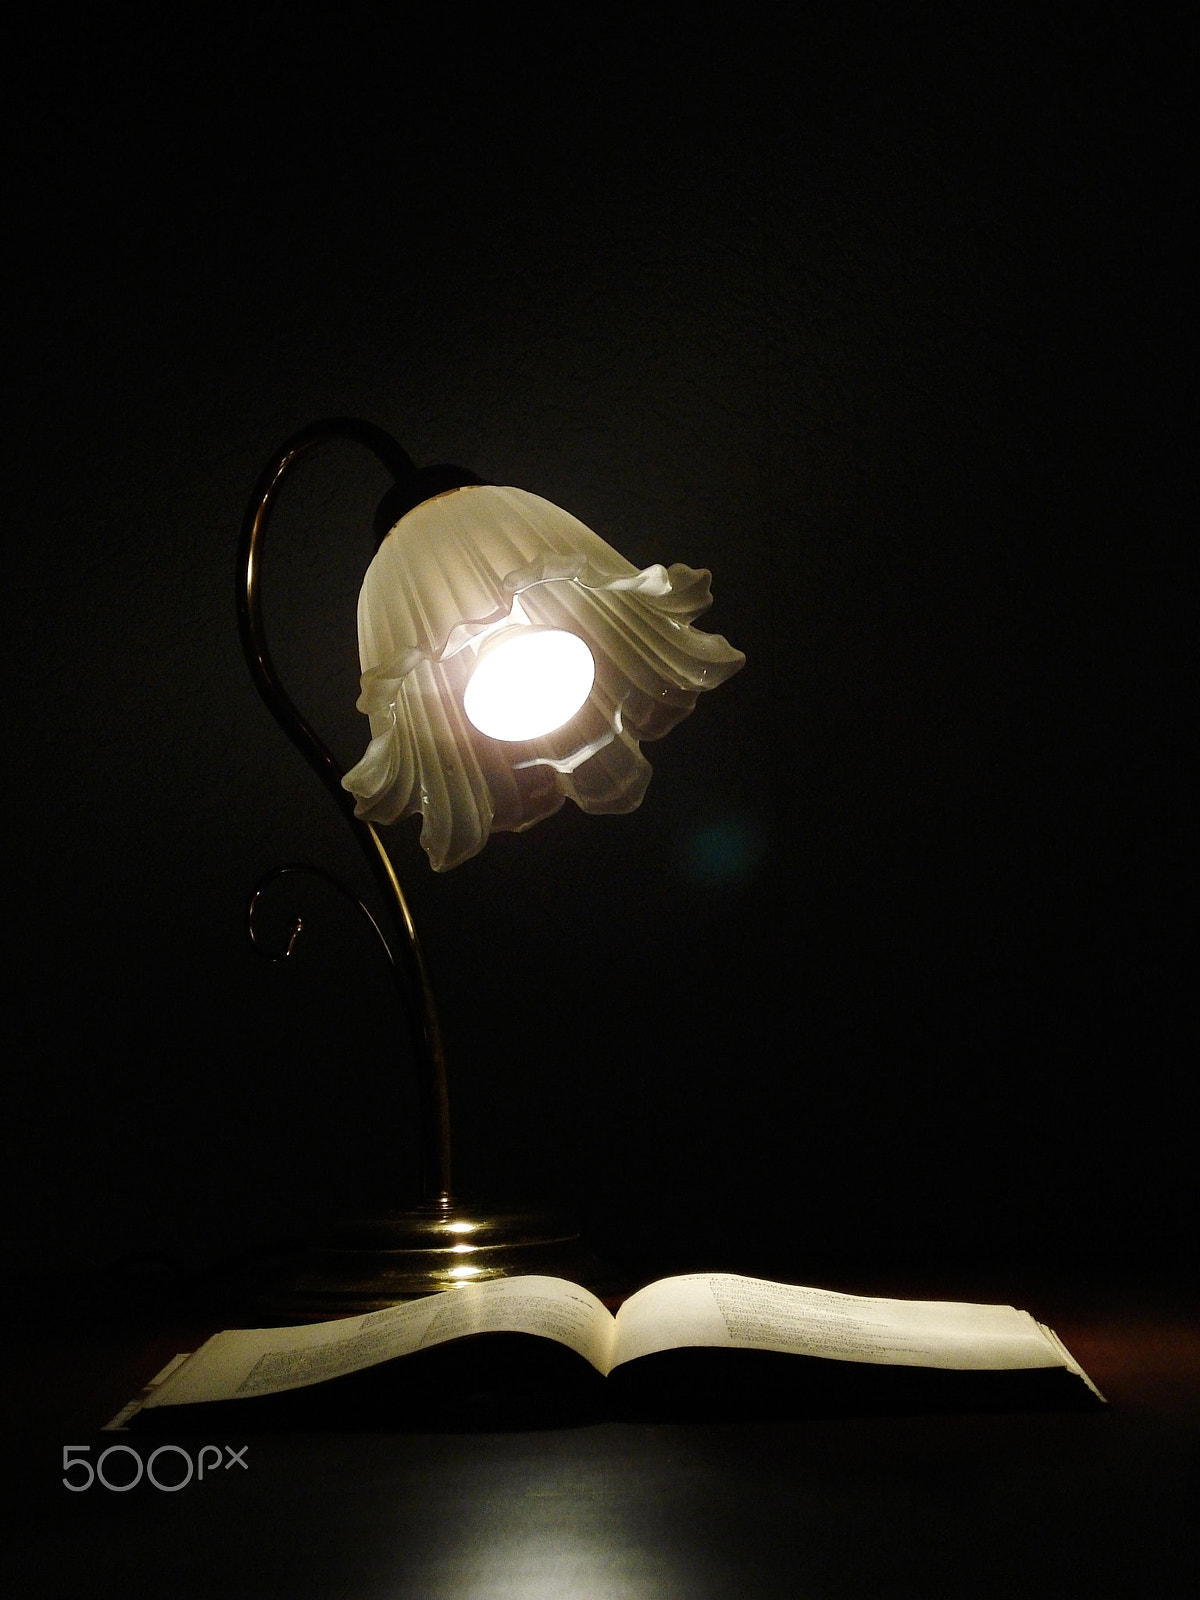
{"x": 701, "y": 1312}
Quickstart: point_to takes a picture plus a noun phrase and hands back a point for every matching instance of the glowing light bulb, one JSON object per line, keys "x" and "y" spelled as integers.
{"x": 528, "y": 681}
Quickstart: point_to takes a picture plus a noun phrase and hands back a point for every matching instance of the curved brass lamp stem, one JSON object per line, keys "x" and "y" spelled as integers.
{"x": 411, "y": 972}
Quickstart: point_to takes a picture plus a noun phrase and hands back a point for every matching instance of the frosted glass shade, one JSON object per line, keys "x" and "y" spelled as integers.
{"x": 469, "y": 571}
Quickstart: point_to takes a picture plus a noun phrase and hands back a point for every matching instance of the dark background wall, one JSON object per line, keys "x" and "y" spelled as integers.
{"x": 884, "y": 326}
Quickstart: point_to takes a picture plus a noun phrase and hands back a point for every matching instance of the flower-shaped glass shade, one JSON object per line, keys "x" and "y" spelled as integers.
{"x": 453, "y": 580}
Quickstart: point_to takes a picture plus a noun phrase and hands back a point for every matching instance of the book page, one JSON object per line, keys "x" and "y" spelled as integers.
{"x": 252, "y": 1361}
{"x": 752, "y": 1314}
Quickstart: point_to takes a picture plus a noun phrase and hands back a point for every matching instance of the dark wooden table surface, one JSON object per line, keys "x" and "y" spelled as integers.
{"x": 960, "y": 1506}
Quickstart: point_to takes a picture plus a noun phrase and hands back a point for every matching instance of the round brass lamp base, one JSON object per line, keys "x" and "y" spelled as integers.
{"x": 367, "y": 1264}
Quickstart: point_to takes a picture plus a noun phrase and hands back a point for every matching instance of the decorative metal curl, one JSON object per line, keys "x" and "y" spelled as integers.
{"x": 286, "y": 870}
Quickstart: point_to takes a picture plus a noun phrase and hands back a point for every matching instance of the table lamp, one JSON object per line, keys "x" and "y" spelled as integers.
{"x": 511, "y": 660}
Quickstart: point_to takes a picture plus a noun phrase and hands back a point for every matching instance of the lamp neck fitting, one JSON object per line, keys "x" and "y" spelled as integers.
{"x": 414, "y": 488}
